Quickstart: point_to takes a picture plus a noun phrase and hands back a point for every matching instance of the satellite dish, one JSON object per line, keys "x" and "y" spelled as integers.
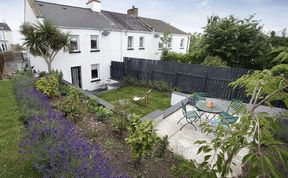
{"x": 105, "y": 33}
{"x": 156, "y": 35}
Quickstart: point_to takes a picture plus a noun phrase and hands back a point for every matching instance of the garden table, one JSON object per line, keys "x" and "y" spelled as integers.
{"x": 204, "y": 109}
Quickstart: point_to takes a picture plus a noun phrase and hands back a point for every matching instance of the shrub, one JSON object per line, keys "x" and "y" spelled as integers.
{"x": 72, "y": 108}
{"x": 158, "y": 85}
{"x": 102, "y": 113}
{"x": 48, "y": 85}
{"x": 214, "y": 61}
{"x": 142, "y": 138}
{"x": 163, "y": 144}
{"x": 58, "y": 75}
{"x": 74, "y": 92}
{"x": 120, "y": 118}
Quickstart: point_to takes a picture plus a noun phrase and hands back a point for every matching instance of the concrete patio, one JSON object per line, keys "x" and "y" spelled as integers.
{"x": 182, "y": 141}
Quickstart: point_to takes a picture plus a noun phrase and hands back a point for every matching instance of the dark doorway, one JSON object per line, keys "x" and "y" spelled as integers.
{"x": 76, "y": 76}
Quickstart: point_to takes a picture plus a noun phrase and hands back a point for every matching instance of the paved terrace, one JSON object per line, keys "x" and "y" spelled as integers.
{"x": 182, "y": 142}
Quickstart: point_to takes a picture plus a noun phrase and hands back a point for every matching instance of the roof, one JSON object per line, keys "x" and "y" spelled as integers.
{"x": 161, "y": 26}
{"x": 4, "y": 26}
{"x": 79, "y": 17}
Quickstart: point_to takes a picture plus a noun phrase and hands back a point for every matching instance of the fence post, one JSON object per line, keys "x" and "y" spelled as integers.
{"x": 175, "y": 80}
{"x": 205, "y": 82}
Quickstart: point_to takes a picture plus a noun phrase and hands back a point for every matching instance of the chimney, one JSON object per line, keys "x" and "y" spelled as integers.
{"x": 133, "y": 11}
{"x": 94, "y": 5}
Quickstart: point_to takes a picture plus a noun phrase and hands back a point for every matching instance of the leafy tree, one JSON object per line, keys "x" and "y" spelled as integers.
{"x": 165, "y": 40}
{"x": 240, "y": 43}
{"x": 44, "y": 40}
{"x": 214, "y": 61}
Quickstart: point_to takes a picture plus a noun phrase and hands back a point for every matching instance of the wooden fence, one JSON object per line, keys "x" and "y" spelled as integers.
{"x": 188, "y": 78}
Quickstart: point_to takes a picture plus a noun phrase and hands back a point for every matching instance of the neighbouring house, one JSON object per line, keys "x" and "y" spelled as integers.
{"x": 6, "y": 38}
{"x": 99, "y": 37}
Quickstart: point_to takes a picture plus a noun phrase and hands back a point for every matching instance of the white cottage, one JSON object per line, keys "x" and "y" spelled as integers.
{"x": 6, "y": 38}
{"x": 99, "y": 37}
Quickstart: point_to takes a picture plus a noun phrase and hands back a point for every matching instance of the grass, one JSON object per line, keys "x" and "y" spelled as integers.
{"x": 12, "y": 163}
{"x": 157, "y": 100}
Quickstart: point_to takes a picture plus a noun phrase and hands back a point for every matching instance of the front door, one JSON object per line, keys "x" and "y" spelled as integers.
{"x": 76, "y": 76}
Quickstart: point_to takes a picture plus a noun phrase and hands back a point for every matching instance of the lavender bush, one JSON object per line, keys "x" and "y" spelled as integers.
{"x": 52, "y": 142}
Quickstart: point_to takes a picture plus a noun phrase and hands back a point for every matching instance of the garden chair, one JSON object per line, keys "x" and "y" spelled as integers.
{"x": 230, "y": 118}
{"x": 190, "y": 116}
{"x": 197, "y": 96}
{"x": 143, "y": 98}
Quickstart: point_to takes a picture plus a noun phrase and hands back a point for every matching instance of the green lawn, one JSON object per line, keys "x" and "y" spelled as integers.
{"x": 157, "y": 100}
{"x": 12, "y": 163}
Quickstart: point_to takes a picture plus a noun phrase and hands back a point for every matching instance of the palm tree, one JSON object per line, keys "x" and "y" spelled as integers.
{"x": 44, "y": 40}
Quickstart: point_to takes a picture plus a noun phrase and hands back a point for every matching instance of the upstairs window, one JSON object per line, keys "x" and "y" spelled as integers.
{"x": 94, "y": 42}
{"x": 169, "y": 44}
{"x": 141, "y": 42}
{"x": 74, "y": 43}
{"x": 182, "y": 43}
{"x": 160, "y": 45}
{"x": 95, "y": 71}
{"x": 130, "y": 42}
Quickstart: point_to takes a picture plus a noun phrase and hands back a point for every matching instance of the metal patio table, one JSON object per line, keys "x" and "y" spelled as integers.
{"x": 202, "y": 107}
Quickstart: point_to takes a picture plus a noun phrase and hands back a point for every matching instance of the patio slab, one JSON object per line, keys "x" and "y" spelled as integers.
{"x": 182, "y": 141}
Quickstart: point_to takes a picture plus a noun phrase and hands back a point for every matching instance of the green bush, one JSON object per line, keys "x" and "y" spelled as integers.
{"x": 48, "y": 85}
{"x": 58, "y": 75}
{"x": 102, "y": 114}
{"x": 74, "y": 92}
{"x": 71, "y": 108}
{"x": 158, "y": 85}
{"x": 120, "y": 118}
{"x": 214, "y": 61}
{"x": 163, "y": 145}
{"x": 142, "y": 138}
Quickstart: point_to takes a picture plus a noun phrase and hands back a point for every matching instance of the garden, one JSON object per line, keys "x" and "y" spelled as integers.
{"x": 156, "y": 99}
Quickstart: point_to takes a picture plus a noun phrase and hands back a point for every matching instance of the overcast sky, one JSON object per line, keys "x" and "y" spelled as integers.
{"x": 188, "y": 15}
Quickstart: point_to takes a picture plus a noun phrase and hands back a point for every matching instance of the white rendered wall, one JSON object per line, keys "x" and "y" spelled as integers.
{"x": 29, "y": 14}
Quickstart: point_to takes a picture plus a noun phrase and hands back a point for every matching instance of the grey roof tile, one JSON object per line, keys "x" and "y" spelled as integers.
{"x": 161, "y": 26}
{"x": 70, "y": 16}
{"x": 4, "y": 26}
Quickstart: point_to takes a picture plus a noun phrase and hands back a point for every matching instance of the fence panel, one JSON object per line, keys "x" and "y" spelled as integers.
{"x": 188, "y": 78}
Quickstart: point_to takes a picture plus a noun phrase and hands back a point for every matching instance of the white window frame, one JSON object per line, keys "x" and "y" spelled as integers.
{"x": 78, "y": 43}
{"x": 182, "y": 43}
{"x": 160, "y": 45}
{"x": 169, "y": 44}
{"x": 143, "y": 43}
{"x": 97, "y": 42}
{"x": 132, "y": 42}
{"x": 97, "y": 66}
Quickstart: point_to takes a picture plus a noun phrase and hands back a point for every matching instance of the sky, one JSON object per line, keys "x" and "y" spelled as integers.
{"x": 187, "y": 15}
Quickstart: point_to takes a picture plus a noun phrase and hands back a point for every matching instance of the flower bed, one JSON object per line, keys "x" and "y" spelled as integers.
{"x": 52, "y": 142}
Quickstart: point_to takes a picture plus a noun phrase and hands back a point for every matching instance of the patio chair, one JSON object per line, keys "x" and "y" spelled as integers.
{"x": 190, "y": 116}
{"x": 143, "y": 98}
{"x": 230, "y": 118}
{"x": 197, "y": 96}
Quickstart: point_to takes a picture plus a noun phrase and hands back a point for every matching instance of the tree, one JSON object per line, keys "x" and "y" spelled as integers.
{"x": 165, "y": 40}
{"x": 240, "y": 43}
{"x": 44, "y": 40}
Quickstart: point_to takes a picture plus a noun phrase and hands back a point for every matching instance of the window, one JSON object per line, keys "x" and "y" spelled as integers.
{"x": 160, "y": 45}
{"x": 74, "y": 43}
{"x": 141, "y": 42}
{"x": 169, "y": 44}
{"x": 182, "y": 43}
{"x": 95, "y": 71}
{"x": 130, "y": 42}
{"x": 94, "y": 42}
